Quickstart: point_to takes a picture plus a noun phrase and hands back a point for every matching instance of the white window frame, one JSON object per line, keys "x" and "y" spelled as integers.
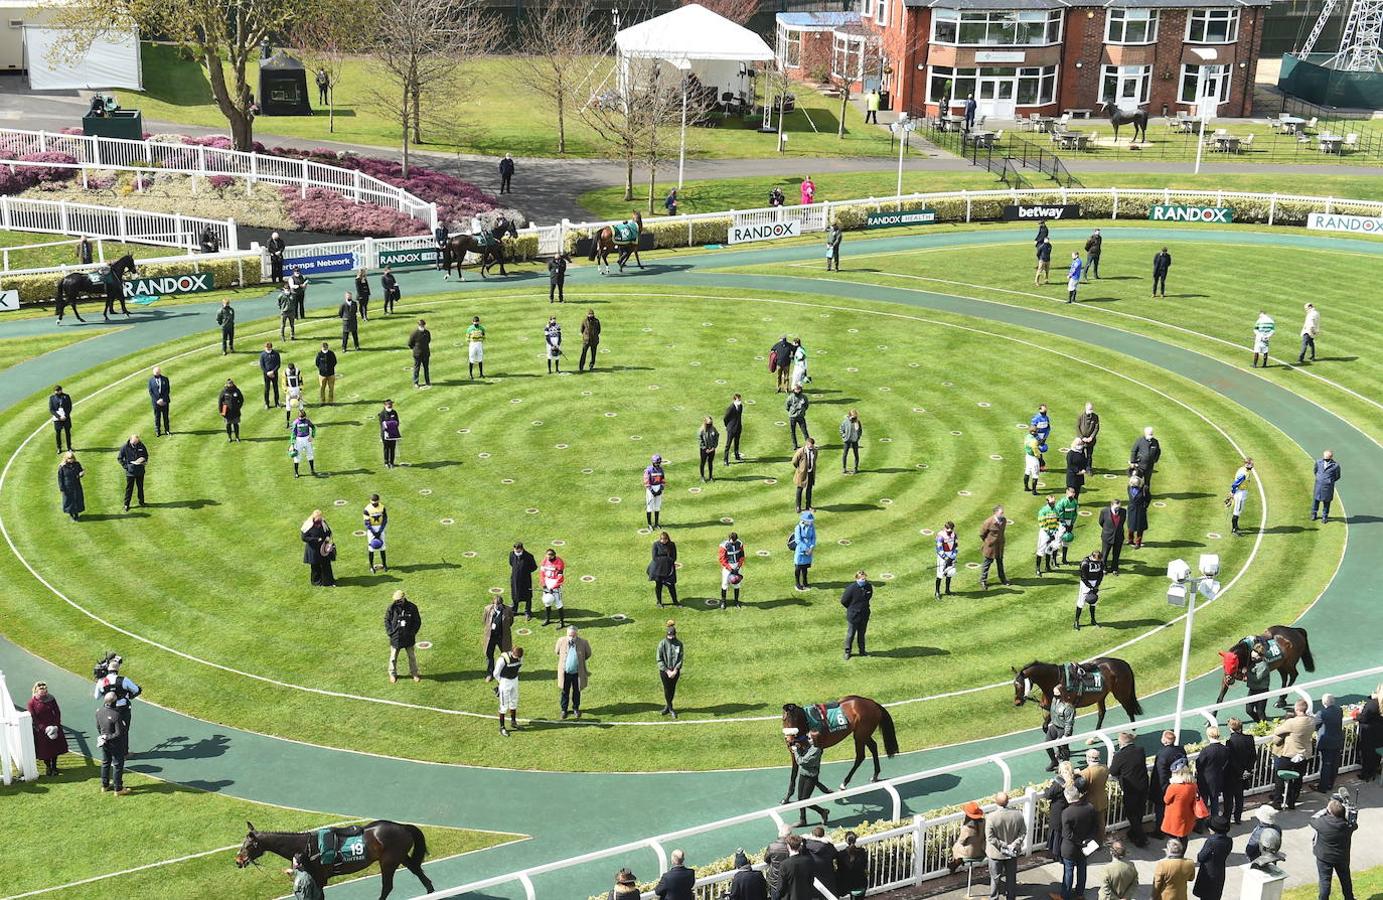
{"x": 1225, "y": 72}
{"x": 853, "y": 46}
{"x": 881, "y": 14}
{"x": 867, "y": 8}
{"x": 993, "y": 19}
{"x": 789, "y": 37}
{"x": 1123, "y": 17}
{"x": 1204, "y": 17}
{"x": 1121, "y": 74}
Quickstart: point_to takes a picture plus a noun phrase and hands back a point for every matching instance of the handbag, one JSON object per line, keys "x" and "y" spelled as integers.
{"x": 792, "y": 541}
{"x": 1201, "y": 810}
{"x": 328, "y": 550}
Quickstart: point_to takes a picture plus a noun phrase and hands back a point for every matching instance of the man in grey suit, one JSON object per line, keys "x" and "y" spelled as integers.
{"x": 1004, "y": 833}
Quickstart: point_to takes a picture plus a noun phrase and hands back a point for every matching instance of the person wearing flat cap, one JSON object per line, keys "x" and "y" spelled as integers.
{"x": 1212, "y": 860}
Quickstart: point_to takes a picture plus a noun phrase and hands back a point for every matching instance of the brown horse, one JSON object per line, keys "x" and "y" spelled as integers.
{"x": 391, "y": 844}
{"x": 1118, "y": 680}
{"x": 1295, "y": 648}
{"x": 864, "y": 716}
{"x": 491, "y": 253}
{"x": 603, "y": 244}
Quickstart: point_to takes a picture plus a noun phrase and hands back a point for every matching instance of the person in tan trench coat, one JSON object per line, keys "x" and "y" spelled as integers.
{"x": 572, "y": 652}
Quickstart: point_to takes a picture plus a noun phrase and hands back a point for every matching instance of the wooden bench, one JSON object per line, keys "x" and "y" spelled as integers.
{"x": 1078, "y": 113}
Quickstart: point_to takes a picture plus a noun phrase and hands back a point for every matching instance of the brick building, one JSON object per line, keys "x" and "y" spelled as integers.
{"x": 1019, "y": 57}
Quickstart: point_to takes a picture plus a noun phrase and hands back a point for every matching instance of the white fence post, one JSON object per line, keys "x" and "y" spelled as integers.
{"x": 1115, "y": 193}
{"x": 62, "y": 215}
{"x": 232, "y": 235}
{"x": 919, "y": 826}
{"x": 1272, "y": 208}
{"x": 356, "y": 182}
{"x": 5, "y": 209}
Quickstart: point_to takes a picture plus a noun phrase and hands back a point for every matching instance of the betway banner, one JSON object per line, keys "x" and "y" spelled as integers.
{"x": 894, "y": 219}
{"x": 415, "y": 257}
{"x": 1351, "y": 224}
{"x": 1215, "y": 214}
{"x": 741, "y": 234}
{"x": 167, "y": 285}
{"x": 1024, "y": 212}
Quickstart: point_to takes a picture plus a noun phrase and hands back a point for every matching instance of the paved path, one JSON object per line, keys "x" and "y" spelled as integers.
{"x": 570, "y": 813}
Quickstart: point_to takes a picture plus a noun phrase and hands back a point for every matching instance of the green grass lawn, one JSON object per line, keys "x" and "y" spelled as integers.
{"x": 14, "y": 351}
{"x": 472, "y": 118}
{"x": 711, "y": 195}
{"x": 1368, "y": 885}
{"x": 41, "y": 257}
{"x": 162, "y": 821}
{"x": 556, "y": 461}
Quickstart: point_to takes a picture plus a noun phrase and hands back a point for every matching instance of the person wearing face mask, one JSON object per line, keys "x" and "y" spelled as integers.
{"x": 856, "y": 599}
{"x": 733, "y": 421}
{"x": 552, "y": 573}
{"x": 552, "y": 336}
{"x": 850, "y": 433}
{"x": 1112, "y": 535}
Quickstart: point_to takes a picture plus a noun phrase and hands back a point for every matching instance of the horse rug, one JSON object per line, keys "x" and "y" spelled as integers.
{"x": 340, "y": 846}
{"x": 1075, "y": 680}
{"x": 826, "y": 717}
{"x": 1231, "y": 658}
{"x": 626, "y": 233}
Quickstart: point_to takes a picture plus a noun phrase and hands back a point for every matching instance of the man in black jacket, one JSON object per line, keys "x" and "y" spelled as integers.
{"x": 1079, "y": 826}
{"x": 1093, "y": 246}
{"x": 133, "y": 457}
{"x": 823, "y": 853}
{"x": 1144, "y": 456}
{"x": 114, "y": 743}
{"x": 160, "y": 397}
{"x": 1112, "y": 535}
{"x": 798, "y": 873}
{"x": 590, "y": 340}
{"x": 678, "y": 882}
{"x": 297, "y": 283}
{"x": 60, "y": 408}
{"x": 1334, "y": 827}
{"x": 1130, "y": 767}
{"x": 1042, "y": 231}
{"x": 734, "y": 427}
{"x": 1211, "y": 766}
{"x": 556, "y": 278}
{"x": 390, "y": 285}
{"x": 781, "y": 354}
{"x": 1162, "y": 263}
{"x": 420, "y": 342}
{"x": 362, "y": 294}
{"x": 275, "y": 247}
{"x": 506, "y": 173}
{"x": 748, "y": 883}
{"x": 402, "y": 622}
{"x": 225, "y": 317}
{"x": 855, "y": 599}
{"x": 1243, "y": 756}
{"x": 1166, "y": 756}
{"x": 348, "y": 312}
{"x": 269, "y": 362}
{"x": 522, "y": 565}
{"x": 326, "y": 374}
{"x": 230, "y": 402}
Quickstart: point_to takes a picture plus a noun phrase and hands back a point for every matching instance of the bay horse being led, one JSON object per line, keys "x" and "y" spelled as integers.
{"x": 1118, "y": 680}
{"x": 607, "y": 241}
{"x": 863, "y": 716}
{"x": 488, "y": 245}
{"x": 1294, "y": 648}
{"x": 391, "y": 844}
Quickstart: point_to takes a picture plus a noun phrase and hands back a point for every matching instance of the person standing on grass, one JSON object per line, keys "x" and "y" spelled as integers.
{"x": 1088, "y": 587}
{"x": 522, "y": 565}
{"x": 557, "y": 279}
{"x": 1042, "y": 231}
{"x": 731, "y": 554}
{"x": 804, "y": 473}
{"x": 800, "y": 376}
{"x": 475, "y": 346}
{"x": 1088, "y": 430}
{"x": 871, "y": 107}
{"x": 572, "y": 652}
{"x": 1238, "y": 495}
{"x": 390, "y": 285}
{"x": 670, "y": 202}
{"x": 1077, "y": 466}
{"x": 654, "y": 485}
{"x": 420, "y": 343}
{"x": 1144, "y": 456}
{"x": 733, "y": 420}
{"x": 590, "y": 340}
{"x": 84, "y": 250}
{"x": 856, "y": 599}
{"x": 298, "y": 283}
{"x": 402, "y": 622}
{"x": 803, "y": 544}
{"x": 1137, "y": 517}
{"x": 796, "y": 408}
{"x": 1112, "y": 534}
{"x": 1044, "y": 261}
{"x": 292, "y": 393}
{"x": 133, "y": 458}
{"x": 45, "y": 715}
{"x": 1032, "y": 460}
{"x": 113, "y": 739}
{"x": 1334, "y": 827}
{"x": 225, "y": 317}
{"x": 506, "y": 173}
{"x": 1067, "y": 509}
{"x": 318, "y": 549}
{"x": 807, "y": 192}
{"x": 708, "y": 440}
{"x": 1129, "y": 767}
{"x": 1162, "y": 264}
{"x": 1093, "y": 245}
{"x": 497, "y": 621}
{"x": 780, "y": 362}
{"x": 850, "y": 433}
{"x": 662, "y": 568}
{"x": 552, "y": 337}
{"x": 231, "y": 402}
{"x": 1048, "y": 526}
{"x": 70, "y": 473}
{"x": 947, "y": 549}
{"x": 992, "y": 547}
{"x": 833, "y": 238}
{"x": 269, "y": 362}
{"x": 1263, "y": 330}
{"x": 348, "y": 312}
{"x": 1330, "y": 741}
{"x": 362, "y": 293}
{"x": 1043, "y": 423}
{"x": 161, "y": 398}
{"x": 1073, "y": 275}
{"x": 326, "y": 374}
{"x": 288, "y": 314}
{"x": 506, "y": 675}
{"x": 60, "y": 409}
{"x": 670, "y": 655}
{"x": 1327, "y": 473}
{"x": 302, "y": 436}
{"x": 1309, "y": 329}
{"x": 552, "y": 575}
{"x": 376, "y": 522}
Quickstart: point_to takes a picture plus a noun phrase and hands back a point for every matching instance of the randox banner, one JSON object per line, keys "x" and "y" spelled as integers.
{"x": 1351, "y": 224}
{"x": 895, "y": 219}
{"x": 330, "y": 262}
{"x": 740, "y": 234}
{"x": 1025, "y": 212}
{"x": 167, "y": 285}
{"x": 1218, "y": 214}
{"x": 416, "y": 256}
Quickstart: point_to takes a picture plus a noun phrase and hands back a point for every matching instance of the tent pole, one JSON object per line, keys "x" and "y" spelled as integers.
{"x": 682, "y": 151}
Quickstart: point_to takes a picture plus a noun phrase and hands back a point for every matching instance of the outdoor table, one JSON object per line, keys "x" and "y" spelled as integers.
{"x": 1330, "y": 143}
{"x": 1226, "y": 143}
{"x": 982, "y": 138}
{"x": 951, "y": 121}
{"x": 1043, "y": 123}
{"x": 1292, "y": 124}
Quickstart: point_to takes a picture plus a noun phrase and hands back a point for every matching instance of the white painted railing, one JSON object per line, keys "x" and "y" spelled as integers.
{"x": 919, "y": 851}
{"x": 119, "y": 153}
{"x": 112, "y": 223}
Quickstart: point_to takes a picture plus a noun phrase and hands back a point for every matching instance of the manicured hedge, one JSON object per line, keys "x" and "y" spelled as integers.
{"x": 38, "y": 289}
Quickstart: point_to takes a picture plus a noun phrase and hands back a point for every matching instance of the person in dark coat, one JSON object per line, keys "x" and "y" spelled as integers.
{"x": 1043, "y": 273}
{"x": 1167, "y": 755}
{"x": 1129, "y": 767}
{"x": 1077, "y": 466}
{"x": 275, "y": 246}
{"x": 420, "y": 342}
{"x": 1211, "y": 768}
{"x": 1334, "y": 834}
{"x": 852, "y": 869}
{"x": 362, "y": 293}
{"x": 133, "y": 458}
{"x": 402, "y": 621}
{"x": 60, "y": 409}
{"x": 556, "y": 278}
{"x": 1111, "y": 520}
{"x": 733, "y": 420}
{"x": 833, "y": 238}
{"x": 1055, "y": 795}
{"x": 50, "y": 741}
{"x": 1327, "y": 472}
{"x": 590, "y": 340}
{"x": 1162, "y": 264}
{"x": 522, "y": 565}
{"x": 1213, "y": 859}
{"x": 1330, "y": 741}
{"x": 441, "y": 237}
{"x": 160, "y": 398}
{"x": 230, "y": 403}
{"x": 318, "y": 549}
{"x": 269, "y": 363}
{"x": 506, "y": 173}
{"x": 350, "y": 328}
{"x": 970, "y": 108}
{"x": 225, "y": 317}
{"x": 992, "y": 546}
{"x": 823, "y": 853}
{"x": 70, "y": 474}
{"x": 1093, "y": 246}
{"x": 1079, "y": 825}
{"x": 662, "y": 568}
{"x": 497, "y": 635}
{"x": 798, "y": 873}
{"x": 748, "y": 883}
{"x": 1370, "y": 722}
{"x": 84, "y": 250}
{"x": 856, "y": 599}
{"x": 780, "y": 362}
{"x": 297, "y": 283}
{"x": 113, "y": 739}
{"x": 1137, "y": 518}
{"x": 1144, "y": 456}
{"x": 390, "y": 285}
{"x": 678, "y": 882}
{"x": 1243, "y": 755}
{"x": 1042, "y": 231}
{"x": 707, "y": 440}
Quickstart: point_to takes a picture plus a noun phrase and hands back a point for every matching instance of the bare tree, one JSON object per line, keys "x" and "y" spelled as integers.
{"x": 639, "y": 122}
{"x": 740, "y": 11}
{"x": 665, "y": 108}
{"x": 870, "y": 58}
{"x": 559, "y": 47}
{"x": 324, "y": 42}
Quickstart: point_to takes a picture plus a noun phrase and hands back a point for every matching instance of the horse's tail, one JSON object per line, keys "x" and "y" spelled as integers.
{"x": 890, "y": 734}
{"x": 419, "y": 851}
{"x": 1306, "y": 659}
{"x": 595, "y": 246}
{"x": 1133, "y": 707}
{"x": 58, "y": 295}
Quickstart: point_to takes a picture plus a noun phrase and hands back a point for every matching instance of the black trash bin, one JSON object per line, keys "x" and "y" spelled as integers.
{"x": 884, "y": 97}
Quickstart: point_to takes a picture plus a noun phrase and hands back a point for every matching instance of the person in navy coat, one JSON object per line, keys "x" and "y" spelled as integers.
{"x": 1330, "y": 741}
{"x": 1327, "y": 472}
{"x": 161, "y": 396}
{"x": 677, "y": 882}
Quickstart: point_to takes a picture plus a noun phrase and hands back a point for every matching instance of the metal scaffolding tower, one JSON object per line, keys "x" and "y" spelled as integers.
{"x": 1361, "y": 40}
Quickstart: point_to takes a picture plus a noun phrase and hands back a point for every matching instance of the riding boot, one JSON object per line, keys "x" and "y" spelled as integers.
{"x": 737, "y": 596}
{"x": 1051, "y": 754}
{"x": 1064, "y": 560}
{"x": 547, "y": 616}
{"x": 1234, "y": 524}
{"x": 1092, "y": 618}
{"x": 513, "y": 720}
{"x": 1038, "y": 565}
{"x": 936, "y": 590}
{"x": 656, "y": 516}
{"x": 1051, "y": 561}
{"x": 1026, "y": 486}
{"x": 648, "y": 517}
{"x": 1077, "y": 625}
{"x": 948, "y": 586}
{"x": 562, "y": 617}
{"x": 384, "y": 560}
{"x": 295, "y": 470}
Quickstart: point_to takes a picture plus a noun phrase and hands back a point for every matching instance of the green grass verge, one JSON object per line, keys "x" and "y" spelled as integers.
{"x": 569, "y": 446}
{"x": 178, "y": 91}
{"x": 1368, "y": 885}
{"x": 163, "y": 822}
{"x": 14, "y": 351}
{"x": 63, "y": 254}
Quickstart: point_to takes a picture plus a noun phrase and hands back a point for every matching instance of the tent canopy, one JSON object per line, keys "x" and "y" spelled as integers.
{"x": 690, "y": 33}
{"x": 112, "y": 61}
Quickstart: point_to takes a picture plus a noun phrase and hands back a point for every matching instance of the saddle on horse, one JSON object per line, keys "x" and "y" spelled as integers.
{"x": 1077, "y": 679}
{"x": 626, "y": 233}
{"x": 826, "y": 717}
{"x": 340, "y": 846}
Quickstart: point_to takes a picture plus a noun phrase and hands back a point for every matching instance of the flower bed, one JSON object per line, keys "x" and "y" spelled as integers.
{"x": 22, "y": 178}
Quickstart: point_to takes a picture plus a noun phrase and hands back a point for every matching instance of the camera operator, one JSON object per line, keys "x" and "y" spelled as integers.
{"x": 110, "y": 681}
{"x": 1334, "y": 827}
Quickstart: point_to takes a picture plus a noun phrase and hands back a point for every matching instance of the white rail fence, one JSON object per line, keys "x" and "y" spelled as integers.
{"x": 920, "y": 849}
{"x": 111, "y": 223}
{"x": 101, "y": 153}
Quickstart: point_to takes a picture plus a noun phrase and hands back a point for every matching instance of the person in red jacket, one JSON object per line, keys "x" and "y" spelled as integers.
{"x": 553, "y": 574}
{"x": 49, "y": 740}
{"x": 731, "y": 567}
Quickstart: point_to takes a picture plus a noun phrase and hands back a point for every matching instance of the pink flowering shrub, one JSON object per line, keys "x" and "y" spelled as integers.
{"x": 327, "y": 211}
{"x": 220, "y": 182}
{"x": 24, "y": 177}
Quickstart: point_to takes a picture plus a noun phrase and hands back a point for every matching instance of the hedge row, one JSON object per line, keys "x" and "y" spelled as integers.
{"x": 226, "y": 272}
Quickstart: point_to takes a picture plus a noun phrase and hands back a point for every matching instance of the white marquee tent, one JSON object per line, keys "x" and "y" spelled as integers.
{"x": 111, "y": 61}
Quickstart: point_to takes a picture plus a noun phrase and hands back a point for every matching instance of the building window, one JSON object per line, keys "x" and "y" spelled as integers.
{"x": 790, "y": 47}
{"x": 867, "y": 8}
{"x": 1131, "y": 26}
{"x": 848, "y": 59}
{"x": 1212, "y": 26}
{"x": 1125, "y": 86}
{"x": 1004, "y": 28}
{"x": 1025, "y": 86}
{"x": 1210, "y": 82}
{"x": 1036, "y": 85}
{"x": 882, "y": 15}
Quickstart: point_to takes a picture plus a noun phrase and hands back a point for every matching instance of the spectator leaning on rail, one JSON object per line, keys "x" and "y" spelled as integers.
{"x": 775, "y": 854}
{"x": 678, "y": 882}
{"x": 748, "y": 883}
{"x": 1291, "y": 747}
{"x": 1129, "y": 767}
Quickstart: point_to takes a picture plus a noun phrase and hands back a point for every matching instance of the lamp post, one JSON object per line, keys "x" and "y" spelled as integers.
{"x": 1203, "y": 105}
{"x": 682, "y": 150}
{"x": 901, "y": 128}
{"x": 1183, "y": 592}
